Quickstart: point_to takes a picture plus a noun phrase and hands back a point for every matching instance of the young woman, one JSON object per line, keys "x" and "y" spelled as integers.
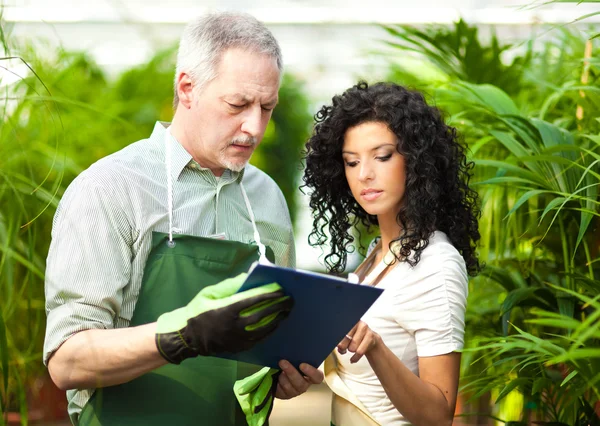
{"x": 379, "y": 155}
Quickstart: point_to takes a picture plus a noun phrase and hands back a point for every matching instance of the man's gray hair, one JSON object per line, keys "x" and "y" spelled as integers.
{"x": 205, "y": 39}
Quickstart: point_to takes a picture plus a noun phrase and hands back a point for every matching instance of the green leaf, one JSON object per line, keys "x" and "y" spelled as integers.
{"x": 584, "y": 353}
{"x": 4, "y": 353}
{"x": 30, "y": 266}
{"x": 492, "y": 98}
{"x": 586, "y": 216}
{"x": 521, "y": 381}
{"x": 523, "y": 127}
{"x": 510, "y": 143}
{"x": 569, "y": 377}
{"x": 553, "y": 204}
{"x": 566, "y": 306}
{"x": 539, "y": 384}
{"x": 511, "y": 167}
{"x": 502, "y": 276}
{"x": 557, "y": 323}
{"x": 589, "y": 15}
{"x": 523, "y": 199}
{"x": 505, "y": 179}
{"x": 517, "y": 296}
{"x": 22, "y": 400}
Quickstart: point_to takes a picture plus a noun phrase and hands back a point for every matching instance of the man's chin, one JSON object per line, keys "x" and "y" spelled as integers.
{"x": 235, "y": 166}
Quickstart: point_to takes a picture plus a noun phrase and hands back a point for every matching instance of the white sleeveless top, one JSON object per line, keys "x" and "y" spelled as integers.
{"x": 420, "y": 314}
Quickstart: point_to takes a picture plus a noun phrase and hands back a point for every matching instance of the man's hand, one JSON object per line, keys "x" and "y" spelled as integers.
{"x": 360, "y": 341}
{"x": 293, "y": 382}
{"x": 219, "y": 319}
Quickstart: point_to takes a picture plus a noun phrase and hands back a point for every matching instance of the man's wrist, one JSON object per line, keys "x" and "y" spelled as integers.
{"x": 173, "y": 347}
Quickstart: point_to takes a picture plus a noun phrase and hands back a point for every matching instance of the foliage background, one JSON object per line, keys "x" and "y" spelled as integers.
{"x": 530, "y": 114}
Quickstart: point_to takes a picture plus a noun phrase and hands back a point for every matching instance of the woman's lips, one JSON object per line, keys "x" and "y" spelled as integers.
{"x": 371, "y": 194}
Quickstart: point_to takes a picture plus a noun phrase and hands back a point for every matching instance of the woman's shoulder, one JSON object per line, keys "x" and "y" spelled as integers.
{"x": 440, "y": 249}
{"x": 440, "y": 259}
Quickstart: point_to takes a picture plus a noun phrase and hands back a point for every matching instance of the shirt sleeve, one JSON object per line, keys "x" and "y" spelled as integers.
{"x": 88, "y": 264}
{"x": 432, "y": 304}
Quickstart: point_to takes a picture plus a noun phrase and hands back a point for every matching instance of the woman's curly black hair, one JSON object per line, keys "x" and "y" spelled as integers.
{"x": 437, "y": 194}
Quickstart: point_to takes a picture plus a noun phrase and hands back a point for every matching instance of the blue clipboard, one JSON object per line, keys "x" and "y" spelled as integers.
{"x": 325, "y": 309}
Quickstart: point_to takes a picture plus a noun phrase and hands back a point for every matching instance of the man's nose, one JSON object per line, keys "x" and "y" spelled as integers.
{"x": 253, "y": 123}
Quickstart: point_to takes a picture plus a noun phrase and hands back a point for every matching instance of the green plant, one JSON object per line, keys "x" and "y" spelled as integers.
{"x": 458, "y": 54}
{"x": 540, "y": 213}
{"x": 535, "y": 141}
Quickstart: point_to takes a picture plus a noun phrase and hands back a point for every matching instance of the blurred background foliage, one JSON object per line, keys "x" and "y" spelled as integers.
{"x": 530, "y": 113}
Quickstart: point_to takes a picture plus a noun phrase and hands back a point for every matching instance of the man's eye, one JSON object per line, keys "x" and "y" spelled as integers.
{"x": 235, "y": 105}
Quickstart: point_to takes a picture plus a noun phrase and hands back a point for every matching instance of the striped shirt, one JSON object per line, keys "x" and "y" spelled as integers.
{"x": 101, "y": 233}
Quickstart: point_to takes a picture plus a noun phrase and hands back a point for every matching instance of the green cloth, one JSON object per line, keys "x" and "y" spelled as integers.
{"x": 199, "y": 391}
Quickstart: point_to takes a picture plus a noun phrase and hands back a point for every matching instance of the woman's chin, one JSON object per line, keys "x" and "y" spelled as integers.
{"x": 372, "y": 210}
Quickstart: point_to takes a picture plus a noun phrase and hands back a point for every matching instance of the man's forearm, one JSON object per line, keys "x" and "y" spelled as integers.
{"x": 100, "y": 358}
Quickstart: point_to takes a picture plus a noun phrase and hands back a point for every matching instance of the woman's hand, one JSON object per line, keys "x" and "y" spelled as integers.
{"x": 361, "y": 340}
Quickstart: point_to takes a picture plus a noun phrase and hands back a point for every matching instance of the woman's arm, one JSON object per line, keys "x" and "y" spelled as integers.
{"x": 424, "y": 400}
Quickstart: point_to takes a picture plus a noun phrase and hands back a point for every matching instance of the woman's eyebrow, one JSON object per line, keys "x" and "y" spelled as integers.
{"x": 374, "y": 149}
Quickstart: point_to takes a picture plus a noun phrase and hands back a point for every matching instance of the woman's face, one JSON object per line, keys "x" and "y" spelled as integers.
{"x": 374, "y": 168}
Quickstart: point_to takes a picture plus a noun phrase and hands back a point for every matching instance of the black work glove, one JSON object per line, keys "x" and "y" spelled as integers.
{"x": 221, "y": 320}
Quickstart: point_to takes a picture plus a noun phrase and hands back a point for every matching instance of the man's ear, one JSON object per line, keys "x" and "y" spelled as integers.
{"x": 185, "y": 90}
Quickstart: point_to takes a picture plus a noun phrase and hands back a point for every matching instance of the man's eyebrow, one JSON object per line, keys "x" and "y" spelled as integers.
{"x": 243, "y": 98}
{"x": 273, "y": 102}
{"x": 237, "y": 97}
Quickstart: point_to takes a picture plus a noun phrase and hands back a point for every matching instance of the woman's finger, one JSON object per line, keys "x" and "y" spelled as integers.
{"x": 362, "y": 349}
{"x": 342, "y": 347}
{"x": 361, "y": 330}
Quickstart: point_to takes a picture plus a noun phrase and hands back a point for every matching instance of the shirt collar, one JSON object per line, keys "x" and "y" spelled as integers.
{"x": 181, "y": 158}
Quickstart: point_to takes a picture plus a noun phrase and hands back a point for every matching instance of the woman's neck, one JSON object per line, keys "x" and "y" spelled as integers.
{"x": 390, "y": 230}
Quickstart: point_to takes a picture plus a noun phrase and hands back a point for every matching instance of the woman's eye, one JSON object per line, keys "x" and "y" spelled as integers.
{"x": 351, "y": 163}
{"x": 384, "y": 158}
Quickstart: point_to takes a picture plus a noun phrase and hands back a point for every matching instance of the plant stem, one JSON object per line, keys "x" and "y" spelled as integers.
{"x": 584, "y": 78}
{"x": 565, "y": 249}
{"x": 588, "y": 259}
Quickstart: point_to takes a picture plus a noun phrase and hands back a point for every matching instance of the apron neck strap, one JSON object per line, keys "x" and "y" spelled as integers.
{"x": 168, "y": 163}
{"x": 261, "y": 247}
{"x": 378, "y": 272}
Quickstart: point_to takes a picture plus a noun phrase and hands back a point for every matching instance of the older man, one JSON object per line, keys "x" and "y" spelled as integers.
{"x": 145, "y": 242}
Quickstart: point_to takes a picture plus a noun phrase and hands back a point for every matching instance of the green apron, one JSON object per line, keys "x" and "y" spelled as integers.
{"x": 199, "y": 391}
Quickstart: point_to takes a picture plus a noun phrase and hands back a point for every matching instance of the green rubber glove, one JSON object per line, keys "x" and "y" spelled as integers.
{"x": 256, "y": 394}
{"x": 220, "y": 320}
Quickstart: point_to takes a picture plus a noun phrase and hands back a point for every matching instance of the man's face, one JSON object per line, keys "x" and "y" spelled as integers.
{"x": 229, "y": 115}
